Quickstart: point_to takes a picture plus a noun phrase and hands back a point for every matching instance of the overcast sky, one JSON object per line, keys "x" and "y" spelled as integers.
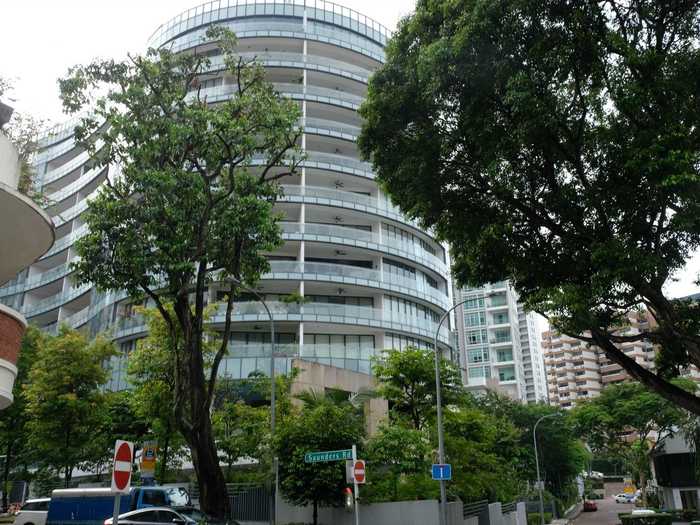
{"x": 41, "y": 39}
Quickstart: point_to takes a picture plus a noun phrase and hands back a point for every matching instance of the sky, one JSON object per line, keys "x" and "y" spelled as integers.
{"x": 41, "y": 39}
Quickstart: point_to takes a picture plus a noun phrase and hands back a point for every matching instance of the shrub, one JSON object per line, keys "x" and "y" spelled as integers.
{"x": 533, "y": 518}
{"x": 653, "y": 519}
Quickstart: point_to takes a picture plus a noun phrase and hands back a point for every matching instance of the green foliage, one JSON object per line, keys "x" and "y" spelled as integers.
{"x": 151, "y": 374}
{"x": 558, "y": 148}
{"x": 243, "y": 431}
{"x": 606, "y": 421}
{"x": 64, "y": 399}
{"x": 187, "y": 208}
{"x": 533, "y": 518}
{"x": 319, "y": 427}
{"x": 407, "y": 380}
{"x": 562, "y": 455}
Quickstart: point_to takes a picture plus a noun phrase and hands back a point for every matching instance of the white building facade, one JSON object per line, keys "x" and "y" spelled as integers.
{"x": 371, "y": 278}
{"x": 498, "y": 344}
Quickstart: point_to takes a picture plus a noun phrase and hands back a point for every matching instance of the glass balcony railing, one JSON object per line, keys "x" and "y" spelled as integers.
{"x": 37, "y": 280}
{"x": 359, "y": 276}
{"x": 66, "y": 241}
{"x": 315, "y": 11}
{"x": 364, "y": 239}
{"x": 55, "y": 301}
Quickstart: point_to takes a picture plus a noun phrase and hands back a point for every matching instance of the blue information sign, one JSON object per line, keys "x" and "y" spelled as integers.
{"x": 441, "y": 472}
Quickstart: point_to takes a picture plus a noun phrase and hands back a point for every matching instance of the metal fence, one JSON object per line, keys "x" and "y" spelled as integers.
{"x": 477, "y": 509}
{"x": 507, "y": 508}
{"x": 249, "y": 503}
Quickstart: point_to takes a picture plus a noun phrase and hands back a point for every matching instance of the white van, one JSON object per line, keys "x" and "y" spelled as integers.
{"x": 33, "y": 512}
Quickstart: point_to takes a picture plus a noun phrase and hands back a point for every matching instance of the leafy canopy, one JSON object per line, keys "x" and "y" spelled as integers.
{"x": 557, "y": 145}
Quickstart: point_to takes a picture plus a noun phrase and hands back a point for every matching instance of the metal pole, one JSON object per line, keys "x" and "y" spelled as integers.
{"x": 357, "y": 487}
{"x": 537, "y": 464}
{"x": 438, "y": 401}
{"x": 117, "y": 504}
{"x": 275, "y": 470}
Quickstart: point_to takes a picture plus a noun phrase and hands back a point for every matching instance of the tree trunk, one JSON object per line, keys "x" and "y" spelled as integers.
{"x": 164, "y": 460}
{"x": 6, "y": 475}
{"x": 315, "y": 512}
{"x": 213, "y": 496}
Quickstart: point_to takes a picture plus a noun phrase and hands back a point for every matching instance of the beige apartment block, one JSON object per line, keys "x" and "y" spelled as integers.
{"x": 577, "y": 370}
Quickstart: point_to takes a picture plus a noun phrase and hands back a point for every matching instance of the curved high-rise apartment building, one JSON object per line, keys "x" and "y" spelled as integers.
{"x": 371, "y": 278}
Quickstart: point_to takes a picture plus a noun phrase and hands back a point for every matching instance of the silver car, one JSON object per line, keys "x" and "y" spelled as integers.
{"x": 153, "y": 516}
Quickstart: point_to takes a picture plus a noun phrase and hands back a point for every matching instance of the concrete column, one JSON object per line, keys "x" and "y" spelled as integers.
{"x": 495, "y": 514}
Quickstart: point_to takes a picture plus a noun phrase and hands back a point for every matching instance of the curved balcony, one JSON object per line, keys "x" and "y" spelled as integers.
{"x": 309, "y": 312}
{"x": 66, "y": 241}
{"x": 51, "y": 152}
{"x": 55, "y": 301}
{"x": 344, "y": 199}
{"x": 320, "y": 10}
{"x": 65, "y": 169}
{"x": 351, "y": 275}
{"x": 37, "y": 281}
{"x": 326, "y": 233}
{"x": 300, "y": 61}
{"x": 326, "y": 22}
{"x": 76, "y": 186}
{"x": 71, "y": 213}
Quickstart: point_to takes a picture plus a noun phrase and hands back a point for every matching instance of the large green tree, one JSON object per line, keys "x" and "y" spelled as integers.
{"x": 562, "y": 455}
{"x": 407, "y": 380}
{"x": 320, "y": 425}
{"x": 65, "y": 400}
{"x": 556, "y": 144}
{"x": 191, "y": 204}
{"x": 628, "y": 421}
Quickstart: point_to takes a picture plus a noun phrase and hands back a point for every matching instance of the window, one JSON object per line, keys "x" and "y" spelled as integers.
{"x": 500, "y": 318}
{"x": 476, "y": 337}
{"x": 689, "y": 499}
{"x": 399, "y": 342}
{"x": 477, "y": 355}
{"x": 474, "y": 302}
{"x": 166, "y": 516}
{"x": 155, "y": 498}
{"x": 147, "y": 516}
{"x": 506, "y": 374}
{"x": 474, "y": 319}
{"x": 479, "y": 371}
{"x": 504, "y": 355}
{"x": 502, "y": 335}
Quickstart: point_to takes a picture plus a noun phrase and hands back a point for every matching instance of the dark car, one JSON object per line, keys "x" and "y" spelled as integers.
{"x": 589, "y": 506}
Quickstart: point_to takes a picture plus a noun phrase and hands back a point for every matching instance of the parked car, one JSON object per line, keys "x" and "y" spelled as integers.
{"x": 623, "y": 498}
{"x": 33, "y": 512}
{"x": 589, "y": 506}
{"x": 92, "y": 505}
{"x": 159, "y": 516}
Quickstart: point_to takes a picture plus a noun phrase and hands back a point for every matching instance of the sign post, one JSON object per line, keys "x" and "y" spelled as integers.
{"x": 121, "y": 474}
{"x": 357, "y": 487}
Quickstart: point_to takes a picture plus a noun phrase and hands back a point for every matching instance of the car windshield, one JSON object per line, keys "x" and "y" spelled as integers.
{"x": 178, "y": 496}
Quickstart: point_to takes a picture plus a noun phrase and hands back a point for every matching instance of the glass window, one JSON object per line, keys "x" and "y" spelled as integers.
{"x": 146, "y": 516}
{"x": 155, "y": 498}
{"x": 479, "y": 371}
{"x": 477, "y": 355}
{"x": 506, "y": 373}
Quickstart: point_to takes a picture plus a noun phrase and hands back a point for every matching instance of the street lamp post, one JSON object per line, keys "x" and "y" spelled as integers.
{"x": 438, "y": 401}
{"x": 275, "y": 472}
{"x": 537, "y": 464}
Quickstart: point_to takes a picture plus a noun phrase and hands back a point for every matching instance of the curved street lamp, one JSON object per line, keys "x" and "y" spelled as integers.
{"x": 537, "y": 462}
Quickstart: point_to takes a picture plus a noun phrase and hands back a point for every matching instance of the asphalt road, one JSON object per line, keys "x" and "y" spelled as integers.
{"x": 606, "y": 513}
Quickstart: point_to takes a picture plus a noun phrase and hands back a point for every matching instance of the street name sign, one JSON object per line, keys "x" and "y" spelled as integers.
{"x": 330, "y": 455}
{"x": 442, "y": 472}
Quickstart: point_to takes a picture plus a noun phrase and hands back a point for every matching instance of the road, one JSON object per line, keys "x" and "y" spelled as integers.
{"x": 606, "y": 513}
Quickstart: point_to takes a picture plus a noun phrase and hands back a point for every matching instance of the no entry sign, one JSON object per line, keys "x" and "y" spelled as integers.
{"x": 358, "y": 471}
{"x": 121, "y": 472}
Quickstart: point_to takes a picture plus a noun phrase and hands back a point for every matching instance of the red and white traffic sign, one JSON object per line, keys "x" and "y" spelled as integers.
{"x": 358, "y": 471}
{"x": 121, "y": 472}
